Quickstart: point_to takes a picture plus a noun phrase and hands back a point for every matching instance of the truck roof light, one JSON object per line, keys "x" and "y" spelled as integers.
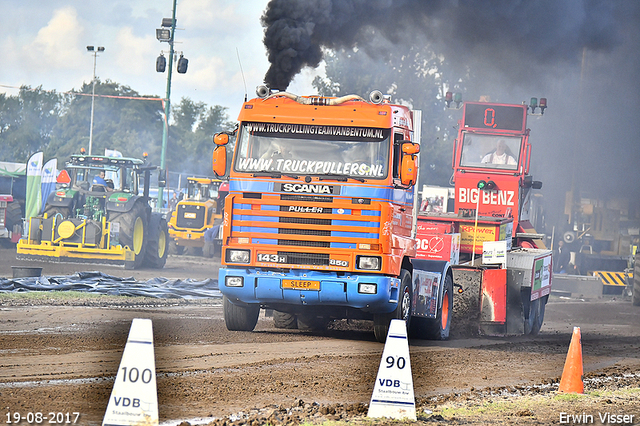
{"x": 543, "y": 104}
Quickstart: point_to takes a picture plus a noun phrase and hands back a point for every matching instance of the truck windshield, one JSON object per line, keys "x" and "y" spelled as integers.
{"x": 296, "y": 149}
{"x": 490, "y": 151}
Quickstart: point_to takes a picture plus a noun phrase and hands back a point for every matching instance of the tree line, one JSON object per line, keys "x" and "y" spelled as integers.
{"x": 59, "y": 124}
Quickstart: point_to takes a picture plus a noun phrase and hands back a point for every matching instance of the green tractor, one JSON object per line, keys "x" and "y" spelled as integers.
{"x": 100, "y": 213}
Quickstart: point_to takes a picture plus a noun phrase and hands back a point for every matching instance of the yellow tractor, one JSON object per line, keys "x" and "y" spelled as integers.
{"x": 195, "y": 220}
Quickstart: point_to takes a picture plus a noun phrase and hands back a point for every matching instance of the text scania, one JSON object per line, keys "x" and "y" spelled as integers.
{"x": 498, "y": 198}
{"x": 309, "y": 167}
{"x": 298, "y": 187}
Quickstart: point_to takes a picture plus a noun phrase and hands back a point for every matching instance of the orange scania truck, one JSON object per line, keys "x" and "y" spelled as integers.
{"x": 320, "y": 220}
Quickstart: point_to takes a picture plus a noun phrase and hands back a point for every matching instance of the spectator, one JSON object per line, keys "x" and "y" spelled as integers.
{"x": 173, "y": 202}
{"x": 561, "y": 259}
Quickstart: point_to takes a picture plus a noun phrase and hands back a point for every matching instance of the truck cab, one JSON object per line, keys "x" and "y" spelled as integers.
{"x": 319, "y": 220}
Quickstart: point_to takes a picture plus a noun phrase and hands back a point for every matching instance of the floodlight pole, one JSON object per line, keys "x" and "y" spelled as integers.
{"x": 167, "y": 106}
{"x": 93, "y": 91}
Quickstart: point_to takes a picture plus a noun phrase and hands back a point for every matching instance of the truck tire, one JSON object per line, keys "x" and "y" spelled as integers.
{"x": 157, "y": 243}
{"x": 240, "y": 318}
{"x": 439, "y": 327}
{"x": 533, "y": 313}
{"x": 403, "y": 310}
{"x": 537, "y": 325}
{"x": 311, "y": 322}
{"x": 133, "y": 231}
{"x": 284, "y": 320}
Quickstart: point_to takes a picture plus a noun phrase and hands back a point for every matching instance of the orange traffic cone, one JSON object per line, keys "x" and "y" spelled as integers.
{"x": 571, "y": 380}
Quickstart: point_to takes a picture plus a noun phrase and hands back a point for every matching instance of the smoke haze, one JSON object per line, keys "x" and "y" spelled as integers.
{"x": 583, "y": 55}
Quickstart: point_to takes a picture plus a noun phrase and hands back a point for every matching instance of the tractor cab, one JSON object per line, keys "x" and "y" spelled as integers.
{"x": 198, "y": 215}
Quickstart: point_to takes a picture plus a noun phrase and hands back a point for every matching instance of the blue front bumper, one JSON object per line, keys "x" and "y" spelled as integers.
{"x": 265, "y": 287}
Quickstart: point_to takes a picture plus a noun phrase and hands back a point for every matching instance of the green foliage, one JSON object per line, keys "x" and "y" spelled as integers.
{"x": 26, "y": 122}
{"x": 59, "y": 125}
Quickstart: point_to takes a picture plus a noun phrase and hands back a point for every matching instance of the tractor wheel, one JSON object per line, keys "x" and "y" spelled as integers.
{"x": 439, "y": 327}
{"x": 207, "y": 250}
{"x": 194, "y": 251}
{"x": 240, "y": 318}
{"x": 52, "y": 211}
{"x": 175, "y": 248}
{"x": 133, "y": 231}
{"x": 381, "y": 322}
{"x": 284, "y": 320}
{"x": 157, "y": 243}
{"x": 13, "y": 218}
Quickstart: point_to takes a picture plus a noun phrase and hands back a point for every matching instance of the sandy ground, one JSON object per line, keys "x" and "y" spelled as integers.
{"x": 61, "y": 354}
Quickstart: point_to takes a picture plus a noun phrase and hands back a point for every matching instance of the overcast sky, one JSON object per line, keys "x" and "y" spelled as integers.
{"x": 44, "y": 44}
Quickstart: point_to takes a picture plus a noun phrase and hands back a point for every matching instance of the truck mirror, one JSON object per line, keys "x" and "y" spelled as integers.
{"x": 408, "y": 170}
{"x": 219, "y": 163}
{"x": 221, "y": 139}
{"x": 410, "y": 148}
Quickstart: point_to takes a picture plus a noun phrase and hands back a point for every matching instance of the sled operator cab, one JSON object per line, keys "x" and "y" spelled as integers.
{"x": 491, "y": 160}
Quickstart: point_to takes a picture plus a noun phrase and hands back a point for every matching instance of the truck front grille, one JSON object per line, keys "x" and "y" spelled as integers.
{"x": 333, "y": 228}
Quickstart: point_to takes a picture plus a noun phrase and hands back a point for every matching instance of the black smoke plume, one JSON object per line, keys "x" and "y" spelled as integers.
{"x": 513, "y": 34}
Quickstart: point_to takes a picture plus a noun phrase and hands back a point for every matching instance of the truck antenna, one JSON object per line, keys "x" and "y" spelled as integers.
{"x": 242, "y": 73}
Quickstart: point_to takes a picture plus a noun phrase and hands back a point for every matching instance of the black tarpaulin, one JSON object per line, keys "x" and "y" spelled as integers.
{"x": 97, "y": 282}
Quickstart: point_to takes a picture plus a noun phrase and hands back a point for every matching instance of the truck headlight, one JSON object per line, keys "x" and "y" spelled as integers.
{"x": 233, "y": 281}
{"x": 367, "y": 288}
{"x": 369, "y": 262}
{"x": 238, "y": 256}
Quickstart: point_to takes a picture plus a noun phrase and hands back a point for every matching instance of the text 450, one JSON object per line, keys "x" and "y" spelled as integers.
{"x": 38, "y": 418}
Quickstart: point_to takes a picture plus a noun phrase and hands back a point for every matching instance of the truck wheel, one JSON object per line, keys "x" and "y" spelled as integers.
{"x": 439, "y": 327}
{"x": 133, "y": 231}
{"x": 311, "y": 323}
{"x": 284, "y": 320}
{"x": 537, "y": 325}
{"x": 158, "y": 242}
{"x": 240, "y": 318}
{"x": 403, "y": 310}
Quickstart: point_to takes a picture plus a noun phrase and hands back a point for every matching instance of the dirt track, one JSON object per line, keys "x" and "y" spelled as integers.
{"x": 60, "y": 354}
